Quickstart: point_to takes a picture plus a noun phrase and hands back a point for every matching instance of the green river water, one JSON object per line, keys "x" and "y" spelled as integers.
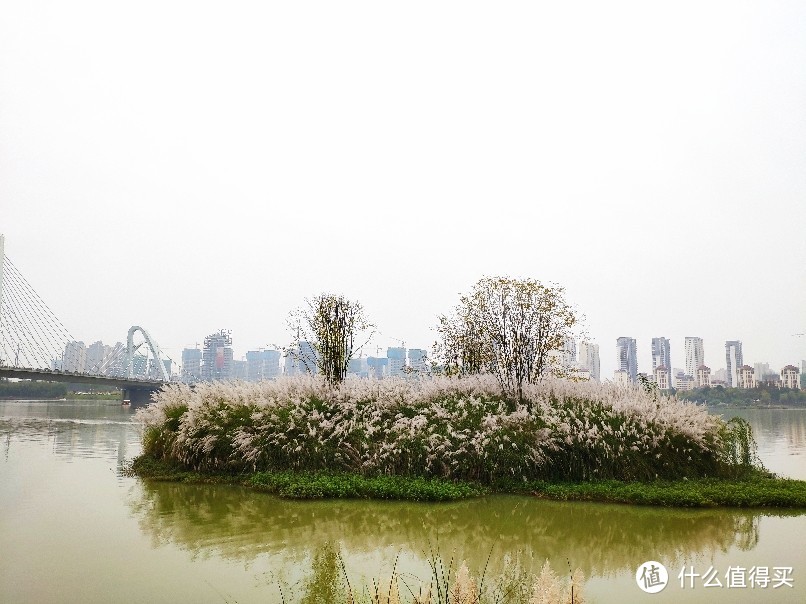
{"x": 73, "y": 529}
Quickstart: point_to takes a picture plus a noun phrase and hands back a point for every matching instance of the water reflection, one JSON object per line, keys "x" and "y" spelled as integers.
{"x": 600, "y": 539}
{"x": 781, "y": 437}
{"x": 60, "y": 456}
{"x": 83, "y": 430}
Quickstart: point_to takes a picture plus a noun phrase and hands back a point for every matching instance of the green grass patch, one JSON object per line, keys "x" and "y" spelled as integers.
{"x": 315, "y": 485}
{"x": 755, "y": 492}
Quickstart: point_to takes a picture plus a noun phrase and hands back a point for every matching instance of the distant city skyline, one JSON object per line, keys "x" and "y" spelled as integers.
{"x": 579, "y": 352}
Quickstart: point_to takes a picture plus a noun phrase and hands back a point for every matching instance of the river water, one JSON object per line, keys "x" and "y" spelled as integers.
{"x": 74, "y": 529}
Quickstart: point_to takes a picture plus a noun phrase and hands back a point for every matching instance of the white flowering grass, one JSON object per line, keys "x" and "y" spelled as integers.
{"x": 459, "y": 428}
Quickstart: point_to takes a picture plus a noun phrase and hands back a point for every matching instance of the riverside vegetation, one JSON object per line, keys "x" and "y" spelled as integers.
{"x": 448, "y": 438}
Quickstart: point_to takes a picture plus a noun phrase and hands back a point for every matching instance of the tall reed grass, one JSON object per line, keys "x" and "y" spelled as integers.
{"x": 449, "y": 583}
{"x": 456, "y": 428}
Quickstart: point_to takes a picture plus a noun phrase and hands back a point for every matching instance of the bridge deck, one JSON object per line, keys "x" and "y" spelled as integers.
{"x": 53, "y": 375}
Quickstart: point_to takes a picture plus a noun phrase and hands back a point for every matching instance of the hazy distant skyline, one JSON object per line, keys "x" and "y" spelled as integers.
{"x": 189, "y": 167}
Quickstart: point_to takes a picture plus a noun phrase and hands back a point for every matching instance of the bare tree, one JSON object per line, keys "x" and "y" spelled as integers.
{"x": 325, "y": 332}
{"x": 507, "y": 327}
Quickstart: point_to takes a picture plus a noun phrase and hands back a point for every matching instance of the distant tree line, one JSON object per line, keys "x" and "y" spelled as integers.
{"x": 32, "y": 389}
{"x": 760, "y": 396}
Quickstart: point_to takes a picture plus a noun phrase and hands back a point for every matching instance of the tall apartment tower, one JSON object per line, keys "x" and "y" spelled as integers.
{"x": 626, "y": 357}
{"x": 378, "y": 367}
{"x": 733, "y": 361}
{"x": 661, "y": 354}
{"x": 569, "y": 353}
{"x": 397, "y": 361}
{"x": 262, "y": 365}
{"x": 191, "y": 365}
{"x": 95, "y": 357}
{"x": 309, "y": 360}
{"x": 75, "y": 357}
{"x": 418, "y": 359}
{"x": 589, "y": 359}
{"x": 695, "y": 355}
{"x": 217, "y": 357}
{"x": 301, "y": 359}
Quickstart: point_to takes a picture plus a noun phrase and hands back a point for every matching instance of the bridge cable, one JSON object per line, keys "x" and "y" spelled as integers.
{"x": 31, "y": 300}
{"x": 30, "y": 320}
{"x": 59, "y": 334}
{"x": 18, "y": 330}
{"x": 25, "y": 321}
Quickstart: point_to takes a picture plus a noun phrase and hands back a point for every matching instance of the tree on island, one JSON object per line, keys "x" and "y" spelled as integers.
{"x": 330, "y": 324}
{"x": 506, "y": 327}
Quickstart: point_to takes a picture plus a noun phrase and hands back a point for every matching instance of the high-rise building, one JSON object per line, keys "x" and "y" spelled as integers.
{"x": 217, "y": 357}
{"x": 621, "y": 377}
{"x": 746, "y": 377}
{"x": 626, "y": 357}
{"x": 154, "y": 372}
{"x": 418, "y": 360}
{"x": 763, "y": 372}
{"x": 358, "y": 366}
{"x": 589, "y": 359}
{"x": 116, "y": 364}
{"x": 662, "y": 377}
{"x": 695, "y": 355}
{"x": 191, "y": 365}
{"x": 734, "y": 361}
{"x": 569, "y": 353}
{"x": 308, "y": 358}
{"x": 262, "y": 365}
{"x": 789, "y": 377}
{"x": 684, "y": 382}
{"x": 661, "y": 354}
{"x": 378, "y": 367}
{"x": 240, "y": 370}
{"x": 301, "y": 359}
{"x": 397, "y": 361}
{"x": 703, "y": 377}
{"x": 95, "y": 358}
{"x": 75, "y": 357}
{"x": 139, "y": 365}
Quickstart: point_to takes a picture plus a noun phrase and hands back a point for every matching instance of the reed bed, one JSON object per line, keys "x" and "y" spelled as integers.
{"x": 449, "y": 428}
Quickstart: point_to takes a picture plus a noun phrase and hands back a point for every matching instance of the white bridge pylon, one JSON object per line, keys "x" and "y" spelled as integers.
{"x": 153, "y": 346}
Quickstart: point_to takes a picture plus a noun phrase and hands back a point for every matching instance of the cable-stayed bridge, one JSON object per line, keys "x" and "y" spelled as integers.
{"x": 35, "y": 345}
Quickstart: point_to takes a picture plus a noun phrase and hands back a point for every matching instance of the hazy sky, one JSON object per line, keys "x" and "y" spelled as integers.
{"x": 190, "y": 166}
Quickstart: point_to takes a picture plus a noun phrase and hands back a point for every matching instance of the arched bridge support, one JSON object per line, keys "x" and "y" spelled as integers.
{"x": 139, "y": 394}
{"x": 155, "y": 351}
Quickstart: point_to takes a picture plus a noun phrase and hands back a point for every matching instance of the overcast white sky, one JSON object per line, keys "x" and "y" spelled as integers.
{"x": 188, "y": 166}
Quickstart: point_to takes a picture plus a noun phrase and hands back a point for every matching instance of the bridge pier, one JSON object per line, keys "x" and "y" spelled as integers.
{"x": 138, "y": 395}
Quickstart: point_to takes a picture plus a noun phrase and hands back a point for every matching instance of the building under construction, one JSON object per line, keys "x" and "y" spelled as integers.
{"x": 217, "y": 357}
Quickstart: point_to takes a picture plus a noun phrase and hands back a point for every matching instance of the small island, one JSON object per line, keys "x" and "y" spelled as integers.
{"x": 448, "y": 438}
{"x": 494, "y": 415}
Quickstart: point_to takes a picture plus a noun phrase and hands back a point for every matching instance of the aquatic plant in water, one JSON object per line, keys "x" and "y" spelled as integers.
{"x": 329, "y": 581}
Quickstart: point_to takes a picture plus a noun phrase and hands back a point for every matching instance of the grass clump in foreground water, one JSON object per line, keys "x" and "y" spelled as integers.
{"x": 449, "y": 583}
